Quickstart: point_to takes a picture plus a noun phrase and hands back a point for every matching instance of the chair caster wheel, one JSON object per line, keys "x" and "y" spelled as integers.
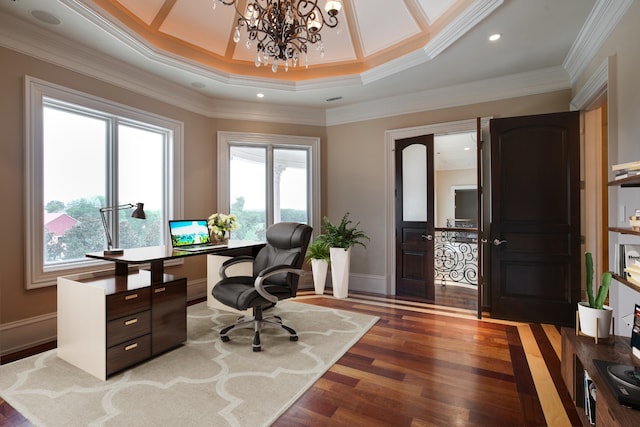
{"x": 294, "y": 338}
{"x": 225, "y": 338}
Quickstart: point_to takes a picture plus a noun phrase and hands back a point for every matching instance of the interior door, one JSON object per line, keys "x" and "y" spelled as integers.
{"x": 415, "y": 217}
{"x": 535, "y": 208}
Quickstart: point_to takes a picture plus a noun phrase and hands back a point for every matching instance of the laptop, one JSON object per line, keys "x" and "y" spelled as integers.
{"x": 190, "y": 235}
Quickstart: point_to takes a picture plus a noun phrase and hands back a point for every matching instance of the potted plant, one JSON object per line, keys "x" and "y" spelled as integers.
{"x": 318, "y": 256}
{"x": 341, "y": 238}
{"x": 594, "y": 316}
{"x": 221, "y": 226}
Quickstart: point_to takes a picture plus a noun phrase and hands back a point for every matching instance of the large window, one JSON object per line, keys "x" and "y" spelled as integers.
{"x": 84, "y": 154}
{"x": 265, "y": 179}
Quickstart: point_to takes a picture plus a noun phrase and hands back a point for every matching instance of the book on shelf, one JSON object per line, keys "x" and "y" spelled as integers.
{"x": 628, "y": 166}
{"x": 633, "y": 274}
{"x": 626, "y": 173}
{"x": 589, "y": 398}
{"x": 635, "y": 332}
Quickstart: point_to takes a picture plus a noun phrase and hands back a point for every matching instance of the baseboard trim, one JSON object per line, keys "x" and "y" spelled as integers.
{"x": 34, "y": 331}
{"x": 27, "y": 333}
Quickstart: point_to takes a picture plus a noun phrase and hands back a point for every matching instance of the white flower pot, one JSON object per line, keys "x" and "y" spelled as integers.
{"x": 319, "y": 268}
{"x": 588, "y": 316}
{"x": 340, "y": 260}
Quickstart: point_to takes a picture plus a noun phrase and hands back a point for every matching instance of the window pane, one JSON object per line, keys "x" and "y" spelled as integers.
{"x": 74, "y": 150}
{"x": 248, "y": 191}
{"x": 141, "y": 168}
{"x": 290, "y": 176}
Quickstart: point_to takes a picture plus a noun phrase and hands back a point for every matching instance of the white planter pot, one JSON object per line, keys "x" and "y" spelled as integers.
{"x": 340, "y": 260}
{"x": 319, "y": 268}
{"x": 588, "y": 316}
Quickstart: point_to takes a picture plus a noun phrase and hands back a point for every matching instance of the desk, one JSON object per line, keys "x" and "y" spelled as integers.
{"x": 156, "y": 255}
{"x": 109, "y": 322}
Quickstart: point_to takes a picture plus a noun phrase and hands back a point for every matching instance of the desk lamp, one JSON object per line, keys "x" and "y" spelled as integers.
{"x": 138, "y": 212}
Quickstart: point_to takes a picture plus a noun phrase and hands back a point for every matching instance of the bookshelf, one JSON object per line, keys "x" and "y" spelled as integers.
{"x": 628, "y": 182}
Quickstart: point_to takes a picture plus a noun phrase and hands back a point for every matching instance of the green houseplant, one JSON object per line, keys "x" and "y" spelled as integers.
{"x": 318, "y": 256}
{"x": 343, "y": 235}
{"x": 594, "y": 316}
{"x": 341, "y": 238}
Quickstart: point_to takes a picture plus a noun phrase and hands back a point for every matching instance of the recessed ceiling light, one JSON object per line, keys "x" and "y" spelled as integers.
{"x": 45, "y": 17}
{"x": 467, "y": 148}
{"x": 260, "y": 95}
{"x": 495, "y": 37}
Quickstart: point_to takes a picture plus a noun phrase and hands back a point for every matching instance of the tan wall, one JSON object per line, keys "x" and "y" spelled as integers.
{"x": 17, "y": 303}
{"x": 444, "y": 195}
{"x": 353, "y": 158}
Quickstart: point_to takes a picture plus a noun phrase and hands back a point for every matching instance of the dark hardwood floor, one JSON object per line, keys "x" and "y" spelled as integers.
{"x": 423, "y": 364}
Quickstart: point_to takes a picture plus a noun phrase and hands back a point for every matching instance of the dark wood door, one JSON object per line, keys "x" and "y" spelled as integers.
{"x": 414, "y": 217}
{"x": 535, "y": 207}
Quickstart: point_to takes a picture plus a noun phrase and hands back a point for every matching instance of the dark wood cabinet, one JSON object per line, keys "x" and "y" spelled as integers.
{"x": 578, "y": 353}
{"x": 107, "y": 323}
{"x": 169, "y": 315}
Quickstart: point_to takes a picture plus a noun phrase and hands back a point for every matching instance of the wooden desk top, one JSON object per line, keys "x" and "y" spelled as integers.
{"x": 160, "y": 253}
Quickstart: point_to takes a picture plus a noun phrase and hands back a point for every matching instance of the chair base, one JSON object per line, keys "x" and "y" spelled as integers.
{"x": 257, "y": 322}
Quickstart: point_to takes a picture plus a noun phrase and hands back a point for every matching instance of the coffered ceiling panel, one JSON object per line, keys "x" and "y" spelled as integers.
{"x": 197, "y": 23}
{"x": 383, "y": 27}
{"x": 145, "y": 10}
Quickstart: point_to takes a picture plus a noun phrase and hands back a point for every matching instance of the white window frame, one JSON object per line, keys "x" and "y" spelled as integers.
{"x": 37, "y": 275}
{"x": 226, "y": 139}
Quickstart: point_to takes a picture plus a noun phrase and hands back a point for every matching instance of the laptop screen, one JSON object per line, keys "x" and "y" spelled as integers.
{"x": 187, "y": 233}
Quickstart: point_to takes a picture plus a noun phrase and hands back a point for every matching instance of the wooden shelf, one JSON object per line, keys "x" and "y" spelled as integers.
{"x": 631, "y": 181}
{"x": 625, "y": 282}
{"x": 624, "y": 230}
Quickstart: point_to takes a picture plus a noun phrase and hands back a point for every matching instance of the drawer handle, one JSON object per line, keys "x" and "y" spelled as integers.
{"x": 132, "y": 296}
{"x": 160, "y": 290}
{"x": 131, "y": 346}
{"x": 131, "y": 322}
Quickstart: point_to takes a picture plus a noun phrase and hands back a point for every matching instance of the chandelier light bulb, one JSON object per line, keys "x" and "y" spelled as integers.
{"x": 333, "y": 7}
{"x": 213, "y": 4}
{"x": 274, "y": 67}
{"x": 236, "y": 35}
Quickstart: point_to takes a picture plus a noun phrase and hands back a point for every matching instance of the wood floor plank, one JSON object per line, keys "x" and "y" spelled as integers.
{"x": 421, "y": 365}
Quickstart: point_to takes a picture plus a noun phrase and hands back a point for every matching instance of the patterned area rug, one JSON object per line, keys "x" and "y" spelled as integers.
{"x": 204, "y": 382}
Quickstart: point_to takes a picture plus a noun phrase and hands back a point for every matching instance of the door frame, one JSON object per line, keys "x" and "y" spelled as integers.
{"x": 390, "y": 138}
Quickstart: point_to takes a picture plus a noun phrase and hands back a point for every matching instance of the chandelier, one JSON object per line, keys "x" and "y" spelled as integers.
{"x": 283, "y": 28}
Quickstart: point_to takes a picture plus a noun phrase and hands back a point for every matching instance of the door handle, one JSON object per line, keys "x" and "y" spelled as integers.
{"x": 497, "y": 242}
{"x": 427, "y": 236}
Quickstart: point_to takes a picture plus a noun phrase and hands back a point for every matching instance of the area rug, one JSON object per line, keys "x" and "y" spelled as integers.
{"x": 204, "y": 382}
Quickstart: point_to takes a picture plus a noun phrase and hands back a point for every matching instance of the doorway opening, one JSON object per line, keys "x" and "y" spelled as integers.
{"x": 455, "y": 169}
{"x": 456, "y": 232}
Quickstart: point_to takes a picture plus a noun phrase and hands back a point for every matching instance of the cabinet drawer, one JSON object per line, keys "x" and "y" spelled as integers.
{"x": 124, "y": 303}
{"x": 128, "y": 327}
{"x": 128, "y": 353}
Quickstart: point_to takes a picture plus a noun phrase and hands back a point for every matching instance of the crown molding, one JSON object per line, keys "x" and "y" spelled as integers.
{"x": 42, "y": 44}
{"x": 468, "y": 19}
{"x": 595, "y": 87}
{"x": 604, "y": 17}
{"x": 49, "y": 47}
{"x": 463, "y": 23}
{"x": 523, "y": 84}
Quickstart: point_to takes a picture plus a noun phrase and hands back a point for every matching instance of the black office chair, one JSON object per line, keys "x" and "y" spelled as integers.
{"x": 276, "y": 270}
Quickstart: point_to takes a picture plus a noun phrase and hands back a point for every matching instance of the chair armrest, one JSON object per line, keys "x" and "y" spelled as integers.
{"x": 228, "y": 263}
{"x": 276, "y": 269}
